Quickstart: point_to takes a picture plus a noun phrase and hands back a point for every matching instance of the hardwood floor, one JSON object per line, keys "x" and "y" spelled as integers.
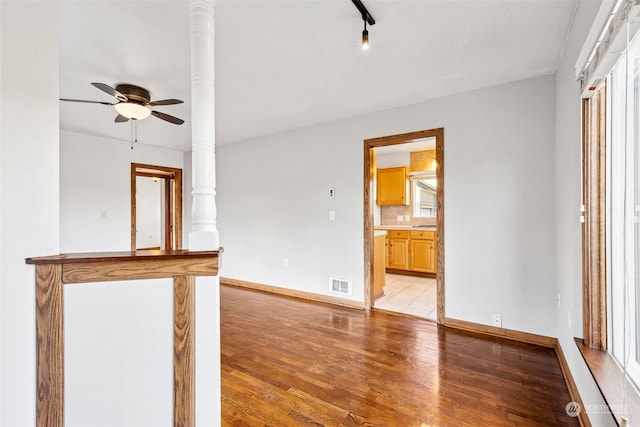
{"x": 289, "y": 362}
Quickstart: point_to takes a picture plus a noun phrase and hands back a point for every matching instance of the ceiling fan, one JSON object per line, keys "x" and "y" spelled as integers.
{"x": 134, "y": 102}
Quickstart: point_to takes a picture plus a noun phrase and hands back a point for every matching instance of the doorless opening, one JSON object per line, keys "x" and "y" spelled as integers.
{"x": 156, "y": 207}
{"x": 370, "y": 167}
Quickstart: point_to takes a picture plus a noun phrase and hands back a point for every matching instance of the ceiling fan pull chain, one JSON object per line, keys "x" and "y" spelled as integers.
{"x": 131, "y": 133}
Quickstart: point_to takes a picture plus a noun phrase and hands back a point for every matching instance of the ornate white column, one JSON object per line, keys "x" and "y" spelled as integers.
{"x": 204, "y": 233}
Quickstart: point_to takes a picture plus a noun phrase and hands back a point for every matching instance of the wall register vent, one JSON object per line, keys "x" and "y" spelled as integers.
{"x": 340, "y": 286}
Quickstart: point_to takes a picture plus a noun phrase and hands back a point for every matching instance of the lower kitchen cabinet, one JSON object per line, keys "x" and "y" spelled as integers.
{"x": 423, "y": 251}
{"x": 379, "y": 255}
{"x": 411, "y": 250}
{"x": 398, "y": 250}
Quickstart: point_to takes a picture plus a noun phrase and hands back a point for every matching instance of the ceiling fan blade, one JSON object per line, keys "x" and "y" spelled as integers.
{"x": 121, "y": 119}
{"x": 168, "y": 118}
{"x": 111, "y": 91}
{"x": 166, "y": 102}
{"x": 85, "y": 101}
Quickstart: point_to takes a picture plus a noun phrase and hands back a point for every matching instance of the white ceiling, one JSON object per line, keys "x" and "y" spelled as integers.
{"x": 415, "y": 145}
{"x": 286, "y": 64}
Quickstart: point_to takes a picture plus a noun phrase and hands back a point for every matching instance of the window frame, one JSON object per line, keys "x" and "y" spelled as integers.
{"x": 594, "y": 221}
{"x": 605, "y": 369}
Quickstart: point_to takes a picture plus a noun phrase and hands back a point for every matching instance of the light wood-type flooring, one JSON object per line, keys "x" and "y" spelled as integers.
{"x": 289, "y": 362}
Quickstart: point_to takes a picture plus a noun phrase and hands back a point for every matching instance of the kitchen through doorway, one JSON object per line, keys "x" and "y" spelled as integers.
{"x": 404, "y": 223}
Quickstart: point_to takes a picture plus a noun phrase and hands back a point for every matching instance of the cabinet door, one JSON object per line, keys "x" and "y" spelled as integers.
{"x": 423, "y": 255}
{"x": 398, "y": 254}
{"x": 392, "y": 186}
{"x": 431, "y": 256}
{"x": 422, "y": 161}
{"x": 420, "y": 255}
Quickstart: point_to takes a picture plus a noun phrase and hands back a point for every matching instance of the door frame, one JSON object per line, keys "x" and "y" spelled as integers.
{"x": 369, "y": 171}
{"x": 172, "y": 211}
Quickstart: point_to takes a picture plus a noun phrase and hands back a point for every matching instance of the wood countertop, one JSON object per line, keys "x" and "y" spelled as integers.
{"x": 90, "y": 257}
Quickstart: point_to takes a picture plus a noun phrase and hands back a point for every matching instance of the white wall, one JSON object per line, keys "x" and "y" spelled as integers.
{"x": 567, "y": 199}
{"x": 118, "y": 336}
{"x": 94, "y": 178}
{"x": 29, "y": 215}
{"x": 499, "y": 250}
{"x": 149, "y": 212}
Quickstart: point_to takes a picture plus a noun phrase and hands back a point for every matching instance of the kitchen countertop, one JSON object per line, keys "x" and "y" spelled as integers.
{"x": 405, "y": 227}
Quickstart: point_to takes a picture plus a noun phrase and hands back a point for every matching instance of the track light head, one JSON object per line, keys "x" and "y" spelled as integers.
{"x": 365, "y": 37}
{"x": 366, "y": 18}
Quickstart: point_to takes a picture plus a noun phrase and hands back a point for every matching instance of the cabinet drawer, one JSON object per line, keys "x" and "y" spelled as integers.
{"x": 398, "y": 234}
{"x": 417, "y": 235}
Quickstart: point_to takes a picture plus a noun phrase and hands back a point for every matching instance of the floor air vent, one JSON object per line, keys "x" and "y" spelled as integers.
{"x": 340, "y": 286}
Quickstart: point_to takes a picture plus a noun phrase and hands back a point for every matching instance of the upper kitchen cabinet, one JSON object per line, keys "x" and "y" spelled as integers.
{"x": 424, "y": 183}
{"x": 392, "y": 186}
{"x": 422, "y": 161}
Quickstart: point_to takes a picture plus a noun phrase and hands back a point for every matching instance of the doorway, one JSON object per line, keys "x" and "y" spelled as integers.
{"x": 371, "y": 221}
{"x": 156, "y": 207}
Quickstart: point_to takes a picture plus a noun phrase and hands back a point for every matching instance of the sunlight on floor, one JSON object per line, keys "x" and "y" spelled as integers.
{"x": 410, "y": 295}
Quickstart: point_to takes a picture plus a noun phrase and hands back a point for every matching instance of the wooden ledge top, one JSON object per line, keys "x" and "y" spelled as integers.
{"x": 92, "y": 257}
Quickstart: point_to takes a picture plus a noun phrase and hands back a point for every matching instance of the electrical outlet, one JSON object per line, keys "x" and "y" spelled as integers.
{"x": 400, "y": 218}
{"x": 407, "y": 218}
{"x": 496, "y": 320}
{"x": 285, "y": 263}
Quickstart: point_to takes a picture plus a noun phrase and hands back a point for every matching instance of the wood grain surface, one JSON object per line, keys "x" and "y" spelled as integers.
{"x": 52, "y": 272}
{"x": 50, "y": 346}
{"x": 289, "y": 362}
{"x": 134, "y": 270}
{"x": 612, "y": 383}
{"x": 594, "y": 227}
{"x": 184, "y": 342}
{"x": 291, "y": 293}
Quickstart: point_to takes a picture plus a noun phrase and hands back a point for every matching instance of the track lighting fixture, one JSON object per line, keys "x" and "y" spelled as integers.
{"x": 367, "y": 18}
{"x": 365, "y": 37}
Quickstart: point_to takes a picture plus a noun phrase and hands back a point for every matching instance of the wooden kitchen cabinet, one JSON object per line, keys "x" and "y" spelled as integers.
{"x": 392, "y": 186}
{"x": 411, "y": 250}
{"x": 398, "y": 250}
{"x": 422, "y": 161}
{"x": 379, "y": 255}
{"x": 423, "y": 251}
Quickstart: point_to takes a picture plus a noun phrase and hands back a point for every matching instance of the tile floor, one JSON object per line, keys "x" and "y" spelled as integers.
{"x": 410, "y": 295}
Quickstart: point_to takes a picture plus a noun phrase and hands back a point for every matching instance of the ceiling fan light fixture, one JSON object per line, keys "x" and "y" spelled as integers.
{"x": 131, "y": 110}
